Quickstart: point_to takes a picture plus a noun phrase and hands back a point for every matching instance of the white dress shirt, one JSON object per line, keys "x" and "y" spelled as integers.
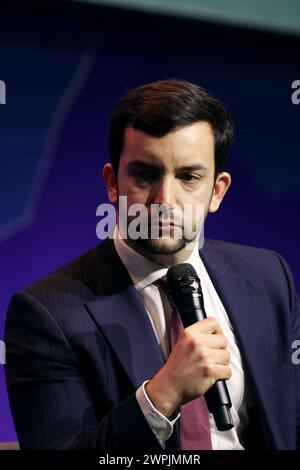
{"x": 144, "y": 273}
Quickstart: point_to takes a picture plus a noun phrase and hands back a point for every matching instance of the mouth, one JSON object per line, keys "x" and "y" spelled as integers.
{"x": 165, "y": 225}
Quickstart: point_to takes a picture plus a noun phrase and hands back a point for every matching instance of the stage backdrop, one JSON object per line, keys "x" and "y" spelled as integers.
{"x": 64, "y": 69}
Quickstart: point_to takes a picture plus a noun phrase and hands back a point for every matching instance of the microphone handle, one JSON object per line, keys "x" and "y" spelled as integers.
{"x": 217, "y": 397}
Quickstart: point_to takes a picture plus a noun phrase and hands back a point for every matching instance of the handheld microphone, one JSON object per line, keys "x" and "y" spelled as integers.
{"x": 185, "y": 289}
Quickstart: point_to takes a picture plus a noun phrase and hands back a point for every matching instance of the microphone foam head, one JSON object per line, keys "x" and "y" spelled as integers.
{"x": 178, "y": 272}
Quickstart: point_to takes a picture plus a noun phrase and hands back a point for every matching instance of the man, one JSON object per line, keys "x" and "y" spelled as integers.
{"x": 91, "y": 363}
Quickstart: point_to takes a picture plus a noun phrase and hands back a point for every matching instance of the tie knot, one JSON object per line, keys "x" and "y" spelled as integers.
{"x": 163, "y": 280}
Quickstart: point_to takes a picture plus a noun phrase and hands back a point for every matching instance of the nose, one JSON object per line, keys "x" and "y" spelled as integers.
{"x": 164, "y": 191}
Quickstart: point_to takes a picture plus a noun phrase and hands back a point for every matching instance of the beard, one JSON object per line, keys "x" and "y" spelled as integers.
{"x": 161, "y": 245}
{"x": 164, "y": 247}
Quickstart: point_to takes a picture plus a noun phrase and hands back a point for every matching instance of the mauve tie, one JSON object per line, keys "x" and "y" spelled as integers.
{"x": 194, "y": 416}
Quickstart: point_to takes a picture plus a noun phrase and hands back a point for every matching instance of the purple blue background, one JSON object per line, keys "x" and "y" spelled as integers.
{"x": 64, "y": 68}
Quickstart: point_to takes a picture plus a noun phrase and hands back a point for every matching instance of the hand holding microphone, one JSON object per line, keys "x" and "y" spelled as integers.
{"x": 185, "y": 288}
{"x": 198, "y": 364}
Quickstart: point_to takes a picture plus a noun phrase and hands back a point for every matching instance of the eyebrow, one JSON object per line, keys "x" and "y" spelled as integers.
{"x": 145, "y": 164}
{"x": 157, "y": 166}
{"x": 195, "y": 167}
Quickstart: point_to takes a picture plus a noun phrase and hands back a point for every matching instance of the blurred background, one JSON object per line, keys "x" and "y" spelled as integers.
{"x": 65, "y": 63}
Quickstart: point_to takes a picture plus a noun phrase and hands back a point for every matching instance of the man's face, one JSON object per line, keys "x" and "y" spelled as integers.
{"x": 175, "y": 170}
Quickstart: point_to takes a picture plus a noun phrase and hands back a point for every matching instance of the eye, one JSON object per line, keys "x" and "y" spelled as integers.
{"x": 144, "y": 175}
{"x": 139, "y": 173}
{"x": 189, "y": 177}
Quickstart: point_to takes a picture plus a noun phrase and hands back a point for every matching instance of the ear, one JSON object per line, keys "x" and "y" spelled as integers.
{"x": 111, "y": 182}
{"x": 221, "y": 186}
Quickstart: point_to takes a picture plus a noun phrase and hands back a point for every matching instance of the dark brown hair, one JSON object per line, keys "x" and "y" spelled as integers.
{"x": 159, "y": 107}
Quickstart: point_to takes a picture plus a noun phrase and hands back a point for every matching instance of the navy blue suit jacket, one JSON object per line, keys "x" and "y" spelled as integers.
{"x": 79, "y": 344}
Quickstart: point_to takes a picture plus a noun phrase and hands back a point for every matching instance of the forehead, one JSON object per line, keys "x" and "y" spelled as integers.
{"x": 187, "y": 144}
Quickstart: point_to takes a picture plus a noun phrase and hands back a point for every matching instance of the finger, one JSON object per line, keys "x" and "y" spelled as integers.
{"x": 207, "y": 326}
{"x": 210, "y": 325}
{"x": 213, "y": 341}
{"x": 220, "y": 372}
{"x": 217, "y": 356}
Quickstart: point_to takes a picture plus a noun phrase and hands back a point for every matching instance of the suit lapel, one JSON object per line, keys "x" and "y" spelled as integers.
{"x": 247, "y": 307}
{"x": 120, "y": 314}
